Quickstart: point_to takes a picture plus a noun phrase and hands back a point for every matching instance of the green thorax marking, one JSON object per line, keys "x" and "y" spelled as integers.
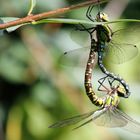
{"x": 112, "y": 100}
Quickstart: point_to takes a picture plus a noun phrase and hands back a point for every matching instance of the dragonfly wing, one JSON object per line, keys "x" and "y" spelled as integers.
{"x": 71, "y": 121}
{"x": 123, "y": 45}
{"x": 127, "y": 35}
{"x": 103, "y": 117}
{"x": 132, "y": 125}
{"x": 120, "y": 52}
{"x": 109, "y": 118}
{"x": 80, "y": 37}
{"x": 77, "y": 57}
{"x": 90, "y": 120}
{"x": 99, "y": 117}
{"x": 95, "y": 114}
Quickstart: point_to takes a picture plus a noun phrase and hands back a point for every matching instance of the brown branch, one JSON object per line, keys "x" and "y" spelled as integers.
{"x": 31, "y": 18}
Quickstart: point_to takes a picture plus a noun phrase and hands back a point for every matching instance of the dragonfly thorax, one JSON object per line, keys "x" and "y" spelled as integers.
{"x": 112, "y": 100}
{"x": 103, "y": 33}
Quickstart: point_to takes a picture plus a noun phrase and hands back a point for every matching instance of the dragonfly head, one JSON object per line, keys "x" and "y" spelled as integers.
{"x": 121, "y": 91}
{"x": 102, "y": 17}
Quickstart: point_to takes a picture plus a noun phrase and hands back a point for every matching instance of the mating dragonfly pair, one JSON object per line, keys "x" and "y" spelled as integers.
{"x": 107, "y": 115}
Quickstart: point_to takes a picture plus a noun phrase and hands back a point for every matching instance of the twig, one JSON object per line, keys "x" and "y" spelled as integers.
{"x": 31, "y": 18}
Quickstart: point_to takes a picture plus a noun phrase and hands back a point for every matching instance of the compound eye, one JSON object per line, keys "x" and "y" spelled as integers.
{"x": 121, "y": 91}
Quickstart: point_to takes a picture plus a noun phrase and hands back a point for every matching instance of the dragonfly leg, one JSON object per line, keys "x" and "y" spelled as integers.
{"x": 101, "y": 81}
{"x": 121, "y": 92}
{"x": 110, "y": 81}
{"x": 89, "y": 30}
{"x": 88, "y": 13}
{"x": 83, "y": 28}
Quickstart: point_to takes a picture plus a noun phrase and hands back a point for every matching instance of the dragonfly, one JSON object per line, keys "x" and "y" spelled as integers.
{"x": 104, "y": 36}
{"x": 88, "y": 80}
{"x": 108, "y": 115}
{"x": 107, "y": 43}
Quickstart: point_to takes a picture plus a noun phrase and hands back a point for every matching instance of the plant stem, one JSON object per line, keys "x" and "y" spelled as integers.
{"x": 33, "y": 18}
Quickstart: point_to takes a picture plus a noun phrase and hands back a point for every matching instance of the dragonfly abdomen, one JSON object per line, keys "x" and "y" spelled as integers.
{"x": 88, "y": 75}
{"x": 112, "y": 75}
{"x": 92, "y": 96}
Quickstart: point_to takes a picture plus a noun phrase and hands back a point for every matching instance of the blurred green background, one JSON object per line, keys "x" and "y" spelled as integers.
{"x": 36, "y": 91}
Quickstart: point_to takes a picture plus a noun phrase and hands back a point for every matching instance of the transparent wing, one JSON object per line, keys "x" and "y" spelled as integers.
{"x": 80, "y": 37}
{"x": 95, "y": 114}
{"x": 127, "y": 35}
{"x": 109, "y": 118}
{"x": 132, "y": 125}
{"x": 112, "y": 117}
{"x": 106, "y": 117}
{"x": 120, "y": 53}
{"x": 123, "y": 45}
{"x": 71, "y": 121}
{"x": 77, "y": 57}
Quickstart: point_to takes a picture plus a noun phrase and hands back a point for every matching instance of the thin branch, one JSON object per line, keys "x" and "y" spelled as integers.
{"x": 31, "y": 18}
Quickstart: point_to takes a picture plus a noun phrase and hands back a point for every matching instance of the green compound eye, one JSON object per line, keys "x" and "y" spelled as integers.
{"x": 102, "y": 17}
{"x": 121, "y": 91}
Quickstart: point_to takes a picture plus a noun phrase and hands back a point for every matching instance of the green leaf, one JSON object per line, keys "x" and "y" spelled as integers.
{"x": 67, "y": 21}
{"x": 32, "y": 5}
{"x": 78, "y": 21}
{"x": 8, "y": 19}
